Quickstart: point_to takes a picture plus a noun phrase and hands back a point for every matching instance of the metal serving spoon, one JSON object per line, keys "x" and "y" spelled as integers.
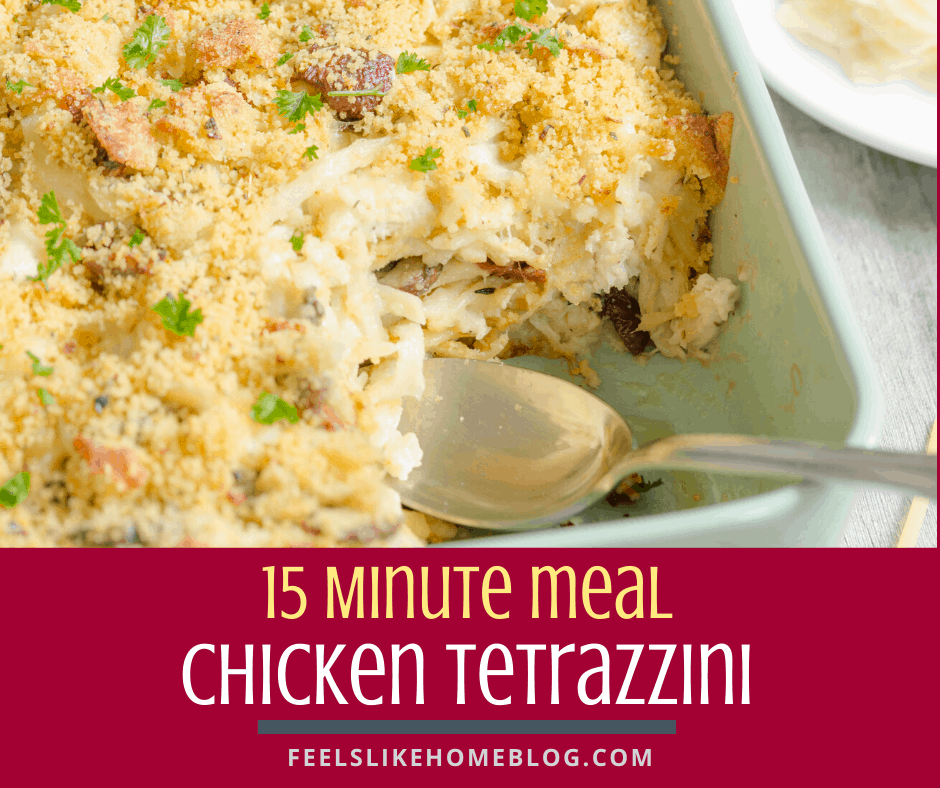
{"x": 510, "y": 448}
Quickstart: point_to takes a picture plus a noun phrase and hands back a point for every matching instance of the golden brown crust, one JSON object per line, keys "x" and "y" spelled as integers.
{"x": 239, "y": 42}
{"x": 211, "y": 120}
{"x": 705, "y": 141}
{"x": 123, "y": 131}
{"x": 538, "y": 153}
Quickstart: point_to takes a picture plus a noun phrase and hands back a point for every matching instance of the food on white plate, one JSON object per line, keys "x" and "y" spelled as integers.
{"x": 873, "y": 40}
{"x": 231, "y": 234}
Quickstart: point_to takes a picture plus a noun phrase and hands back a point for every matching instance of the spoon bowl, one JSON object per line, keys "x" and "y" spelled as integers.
{"x": 508, "y": 448}
{"x": 512, "y": 449}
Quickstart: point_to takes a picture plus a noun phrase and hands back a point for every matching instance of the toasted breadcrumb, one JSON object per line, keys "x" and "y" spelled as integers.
{"x": 568, "y": 176}
{"x": 238, "y": 42}
{"x": 123, "y": 131}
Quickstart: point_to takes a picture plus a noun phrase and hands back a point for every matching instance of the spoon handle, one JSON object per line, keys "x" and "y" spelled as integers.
{"x": 911, "y": 473}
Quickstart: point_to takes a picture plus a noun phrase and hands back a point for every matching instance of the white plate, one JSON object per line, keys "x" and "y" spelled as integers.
{"x": 898, "y": 118}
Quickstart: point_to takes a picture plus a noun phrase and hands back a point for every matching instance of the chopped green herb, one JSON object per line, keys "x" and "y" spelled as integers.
{"x": 49, "y": 212}
{"x": 114, "y": 85}
{"x": 45, "y": 398}
{"x": 471, "y": 107}
{"x": 106, "y": 18}
{"x": 270, "y": 408}
{"x": 173, "y": 84}
{"x": 530, "y": 10}
{"x": 17, "y": 87}
{"x": 297, "y": 241}
{"x": 59, "y": 249}
{"x": 137, "y": 238}
{"x": 516, "y": 32}
{"x": 177, "y": 317}
{"x": 155, "y": 104}
{"x": 265, "y": 11}
{"x": 311, "y": 153}
{"x": 369, "y": 92}
{"x": 409, "y": 62}
{"x": 39, "y": 369}
{"x": 647, "y": 486}
{"x": 15, "y": 490}
{"x": 298, "y": 128}
{"x": 425, "y": 162}
{"x": 305, "y": 34}
{"x": 509, "y": 35}
{"x": 283, "y": 59}
{"x": 72, "y": 5}
{"x": 152, "y": 36}
{"x": 296, "y": 106}
{"x": 545, "y": 38}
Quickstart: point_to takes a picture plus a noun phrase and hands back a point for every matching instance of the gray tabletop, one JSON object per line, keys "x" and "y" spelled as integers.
{"x": 879, "y": 215}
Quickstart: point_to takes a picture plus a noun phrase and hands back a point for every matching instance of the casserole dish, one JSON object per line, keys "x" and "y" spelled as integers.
{"x": 790, "y": 362}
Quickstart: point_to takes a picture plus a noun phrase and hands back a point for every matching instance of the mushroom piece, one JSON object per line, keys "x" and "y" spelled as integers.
{"x": 353, "y": 72}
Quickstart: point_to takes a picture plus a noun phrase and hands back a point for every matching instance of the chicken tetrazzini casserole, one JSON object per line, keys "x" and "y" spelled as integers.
{"x": 231, "y": 232}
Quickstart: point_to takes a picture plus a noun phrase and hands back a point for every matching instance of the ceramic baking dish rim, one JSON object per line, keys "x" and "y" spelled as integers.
{"x": 869, "y": 414}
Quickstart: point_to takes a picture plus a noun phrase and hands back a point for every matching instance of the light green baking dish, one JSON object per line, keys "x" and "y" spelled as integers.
{"x": 791, "y": 362}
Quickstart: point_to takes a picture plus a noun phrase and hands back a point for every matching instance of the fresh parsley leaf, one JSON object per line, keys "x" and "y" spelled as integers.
{"x": 425, "y": 162}
{"x": 545, "y": 38}
{"x": 49, "y": 212}
{"x": 409, "y": 62}
{"x": 516, "y": 32}
{"x": 15, "y": 490}
{"x": 297, "y": 241}
{"x": 45, "y": 398}
{"x": 152, "y": 36}
{"x": 173, "y": 84}
{"x": 59, "y": 249}
{"x": 296, "y": 106}
{"x": 530, "y": 10}
{"x": 283, "y": 59}
{"x": 114, "y": 85}
{"x": 270, "y": 408}
{"x": 647, "y": 486}
{"x": 305, "y": 34}
{"x": 298, "y": 128}
{"x": 72, "y": 5}
{"x": 509, "y": 35}
{"x": 265, "y": 11}
{"x": 17, "y": 87}
{"x": 156, "y": 104}
{"x": 177, "y": 317}
{"x": 39, "y": 369}
{"x": 311, "y": 153}
{"x": 369, "y": 92}
{"x": 137, "y": 238}
{"x": 471, "y": 107}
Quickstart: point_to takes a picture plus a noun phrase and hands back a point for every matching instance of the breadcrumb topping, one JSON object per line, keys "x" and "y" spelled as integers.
{"x": 211, "y": 167}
